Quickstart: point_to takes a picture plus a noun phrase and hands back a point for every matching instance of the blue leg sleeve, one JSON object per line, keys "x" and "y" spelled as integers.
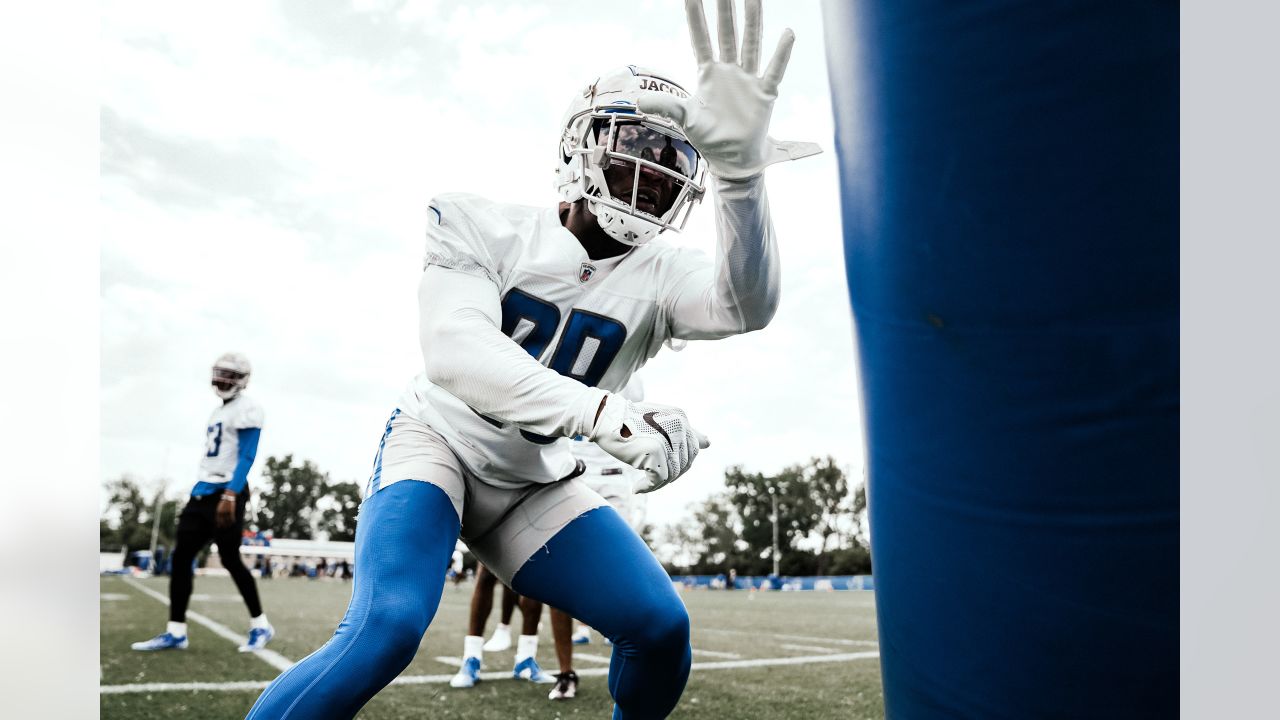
{"x": 404, "y": 542}
{"x": 598, "y": 570}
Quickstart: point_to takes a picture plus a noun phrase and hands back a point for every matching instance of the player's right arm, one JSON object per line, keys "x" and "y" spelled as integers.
{"x": 466, "y": 353}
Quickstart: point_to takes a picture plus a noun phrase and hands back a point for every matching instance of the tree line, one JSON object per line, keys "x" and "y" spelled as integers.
{"x": 292, "y": 500}
{"x": 821, "y": 525}
{"x": 821, "y": 519}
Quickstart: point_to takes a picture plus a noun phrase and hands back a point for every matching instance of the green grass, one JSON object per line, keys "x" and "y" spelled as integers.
{"x": 751, "y": 625}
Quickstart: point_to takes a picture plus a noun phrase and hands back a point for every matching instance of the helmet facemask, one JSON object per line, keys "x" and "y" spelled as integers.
{"x": 230, "y": 375}
{"x": 637, "y": 171}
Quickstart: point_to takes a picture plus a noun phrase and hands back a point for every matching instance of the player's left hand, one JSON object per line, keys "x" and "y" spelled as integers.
{"x": 727, "y": 119}
{"x": 657, "y": 439}
{"x": 225, "y": 516}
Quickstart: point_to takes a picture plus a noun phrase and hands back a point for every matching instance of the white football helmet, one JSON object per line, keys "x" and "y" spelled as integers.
{"x": 655, "y": 172}
{"x": 230, "y": 375}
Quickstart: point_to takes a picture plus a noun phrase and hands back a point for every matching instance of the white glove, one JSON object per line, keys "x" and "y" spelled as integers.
{"x": 727, "y": 119}
{"x": 654, "y": 438}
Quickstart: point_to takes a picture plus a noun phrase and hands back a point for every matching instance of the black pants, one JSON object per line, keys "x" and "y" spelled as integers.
{"x": 197, "y": 527}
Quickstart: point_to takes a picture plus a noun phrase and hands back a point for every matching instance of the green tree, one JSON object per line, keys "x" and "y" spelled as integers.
{"x": 831, "y": 504}
{"x": 753, "y": 494}
{"x": 338, "y": 519}
{"x": 128, "y": 517}
{"x": 709, "y": 540}
{"x": 290, "y": 502}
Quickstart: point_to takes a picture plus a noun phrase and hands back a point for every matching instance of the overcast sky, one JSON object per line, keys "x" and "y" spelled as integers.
{"x": 265, "y": 170}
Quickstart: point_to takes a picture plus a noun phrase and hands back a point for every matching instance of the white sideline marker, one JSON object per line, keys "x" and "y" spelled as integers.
{"x": 433, "y": 679}
{"x": 270, "y": 657}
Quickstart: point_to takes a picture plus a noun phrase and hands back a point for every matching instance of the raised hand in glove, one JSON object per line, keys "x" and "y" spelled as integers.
{"x": 727, "y": 118}
{"x": 654, "y": 438}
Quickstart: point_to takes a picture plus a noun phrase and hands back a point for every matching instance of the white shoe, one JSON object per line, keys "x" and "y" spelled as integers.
{"x": 582, "y": 636}
{"x": 500, "y": 641}
{"x": 258, "y": 638}
{"x": 468, "y": 675}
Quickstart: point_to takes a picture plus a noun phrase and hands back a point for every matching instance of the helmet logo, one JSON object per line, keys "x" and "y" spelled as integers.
{"x": 585, "y": 272}
{"x": 648, "y": 83}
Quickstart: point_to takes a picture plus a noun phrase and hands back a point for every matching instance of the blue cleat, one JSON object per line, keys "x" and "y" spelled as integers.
{"x": 527, "y": 669}
{"x": 468, "y": 675}
{"x": 258, "y": 638}
{"x": 582, "y": 636}
{"x": 163, "y": 641}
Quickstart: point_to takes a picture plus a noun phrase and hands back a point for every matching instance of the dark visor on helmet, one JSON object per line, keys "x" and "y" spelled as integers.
{"x": 647, "y": 143}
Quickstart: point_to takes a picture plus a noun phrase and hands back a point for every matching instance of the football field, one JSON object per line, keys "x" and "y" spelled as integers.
{"x": 755, "y": 655}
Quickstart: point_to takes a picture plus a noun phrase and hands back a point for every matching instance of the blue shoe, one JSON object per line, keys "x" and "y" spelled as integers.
{"x": 527, "y": 669}
{"x": 468, "y": 675}
{"x": 258, "y": 638}
{"x": 163, "y": 641}
{"x": 582, "y": 636}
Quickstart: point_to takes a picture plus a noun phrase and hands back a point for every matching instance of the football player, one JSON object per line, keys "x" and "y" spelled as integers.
{"x": 531, "y": 320}
{"x": 215, "y": 511}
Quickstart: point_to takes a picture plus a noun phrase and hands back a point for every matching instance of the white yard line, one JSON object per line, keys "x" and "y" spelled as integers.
{"x": 457, "y": 661}
{"x": 270, "y": 657}
{"x": 716, "y": 653}
{"x": 802, "y": 638}
{"x": 827, "y": 641}
{"x": 603, "y": 660}
{"x": 798, "y": 660}
{"x": 434, "y": 679}
{"x": 808, "y": 648}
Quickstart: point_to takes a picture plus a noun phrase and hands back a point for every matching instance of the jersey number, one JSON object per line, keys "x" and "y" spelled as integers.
{"x": 213, "y": 441}
{"x": 587, "y": 346}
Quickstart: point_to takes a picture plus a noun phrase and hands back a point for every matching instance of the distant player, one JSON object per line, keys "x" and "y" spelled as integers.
{"x": 474, "y": 646}
{"x": 616, "y": 482}
{"x": 455, "y": 568}
{"x": 531, "y": 320}
{"x": 501, "y": 638}
{"x": 215, "y": 511}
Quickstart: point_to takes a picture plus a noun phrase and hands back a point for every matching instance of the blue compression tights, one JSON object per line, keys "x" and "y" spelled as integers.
{"x": 595, "y": 569}
{"x": 404, "y": 542}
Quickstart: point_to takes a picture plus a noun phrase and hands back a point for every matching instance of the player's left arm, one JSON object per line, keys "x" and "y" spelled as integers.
{"x": 247, "y": 438}
{"x": 248, "y": 453}
{"x": 739, "y": 293}
{"x": 226, "y": 514}
{"x": 727, "y": 120}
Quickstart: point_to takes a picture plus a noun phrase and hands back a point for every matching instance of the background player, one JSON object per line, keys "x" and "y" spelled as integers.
{"x": 215, "y": 511}
{"x": 616, "y": 482}
{"x": 501, "y": 639}
{"x": 530, "y": 320}
{"x": 473, "y": 645}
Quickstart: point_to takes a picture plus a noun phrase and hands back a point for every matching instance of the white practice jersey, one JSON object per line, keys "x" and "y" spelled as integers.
{"x": 593, "y": 321}
{"x": 222, "y": 438}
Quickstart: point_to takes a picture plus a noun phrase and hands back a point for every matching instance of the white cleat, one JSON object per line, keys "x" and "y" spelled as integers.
{"x": 500, "y": 641}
